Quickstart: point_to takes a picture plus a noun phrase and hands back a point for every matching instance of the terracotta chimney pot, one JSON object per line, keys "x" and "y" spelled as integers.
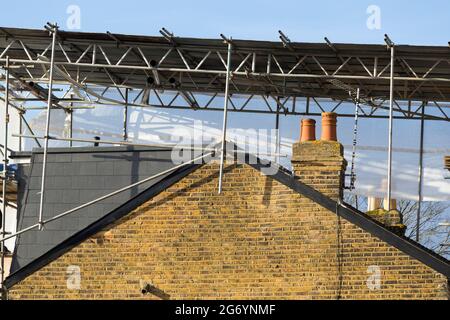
{"x": 329, "y": 120}
{"x": 393, "y": 204}
{"x": 308, "y": 130}
{"x": 373, "y": 203}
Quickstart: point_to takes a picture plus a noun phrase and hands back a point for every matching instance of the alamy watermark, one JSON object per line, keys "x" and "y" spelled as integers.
{"x": 374, "y": 280}
{"x": 374, "y": 20}
{"x": 249, "y": 146}
{"x": 73, "y": 281}
{"x": 74, "y": 19}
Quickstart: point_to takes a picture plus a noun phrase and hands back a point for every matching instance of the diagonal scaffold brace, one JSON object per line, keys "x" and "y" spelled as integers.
{"x": 53, "y": 30}
{"x": 225, "y": 110}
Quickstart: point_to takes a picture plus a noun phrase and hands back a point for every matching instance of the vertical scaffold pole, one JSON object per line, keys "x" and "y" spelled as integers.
{"x": 419, "y": 204}
{"x": 391, "y": 108}
{"x": 54, "y": 30}
{"x": 4, "y": 178}
{"x": 21, "y": 131}
{"x": 125, "y": 117}
{"x": 277, "y": 132}
{"x": 71, "y": 122}
{"x": 225, "y": 111}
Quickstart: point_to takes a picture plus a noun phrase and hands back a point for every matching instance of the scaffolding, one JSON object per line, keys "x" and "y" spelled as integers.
{"x": 99, "y": 69}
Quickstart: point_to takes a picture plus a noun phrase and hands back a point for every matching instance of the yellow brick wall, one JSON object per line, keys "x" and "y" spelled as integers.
{"x": 257, "y": 240}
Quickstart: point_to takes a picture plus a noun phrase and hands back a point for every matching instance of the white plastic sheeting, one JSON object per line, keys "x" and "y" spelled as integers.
{"x": 13, "y": 127}
{"x": 152, "y": 125}
{"x": 13, "y": 144}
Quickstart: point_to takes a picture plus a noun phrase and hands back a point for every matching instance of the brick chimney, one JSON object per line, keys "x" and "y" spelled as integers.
{"x": 321, "y": 164}
{"x": 378, "y": 209}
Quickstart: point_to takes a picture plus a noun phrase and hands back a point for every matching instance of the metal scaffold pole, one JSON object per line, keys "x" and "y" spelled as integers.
{"x": 225, "y": 110}
{"x": 277, "y": 132}
{"x": 4, "y": 177}
{"x": 391, "y": 108}
{"x": 53, "y": 29}
{"x": 125, "y": 116}
{"x": 71, "y": 123}
{"x": 419, "y": 204}
{"x": 21, "y": 131}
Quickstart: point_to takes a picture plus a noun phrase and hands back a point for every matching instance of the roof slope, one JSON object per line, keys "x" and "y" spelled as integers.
{"x": 74, "y": 177}
{"x": 404, "y": 244}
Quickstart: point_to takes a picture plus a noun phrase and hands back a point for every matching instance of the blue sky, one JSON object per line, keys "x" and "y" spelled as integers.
{"x": 407, "y": 22}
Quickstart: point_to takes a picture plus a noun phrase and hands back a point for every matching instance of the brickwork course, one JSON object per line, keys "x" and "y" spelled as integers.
{"x": 259, "y": 239}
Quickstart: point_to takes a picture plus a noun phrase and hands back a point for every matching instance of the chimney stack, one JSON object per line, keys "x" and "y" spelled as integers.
{"x": 320, "y": 164}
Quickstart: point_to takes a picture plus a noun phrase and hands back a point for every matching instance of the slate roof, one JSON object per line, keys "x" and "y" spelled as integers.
{"x": 56, "y": 241}
{"x": 74, "y": 177}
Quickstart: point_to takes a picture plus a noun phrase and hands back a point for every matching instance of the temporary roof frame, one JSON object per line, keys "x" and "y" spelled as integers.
{"x": 296, "y": 77}
{"x": 299, "y": 77}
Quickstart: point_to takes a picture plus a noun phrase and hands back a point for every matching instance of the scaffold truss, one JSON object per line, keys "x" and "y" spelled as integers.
{"x": 186, "y": 73}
